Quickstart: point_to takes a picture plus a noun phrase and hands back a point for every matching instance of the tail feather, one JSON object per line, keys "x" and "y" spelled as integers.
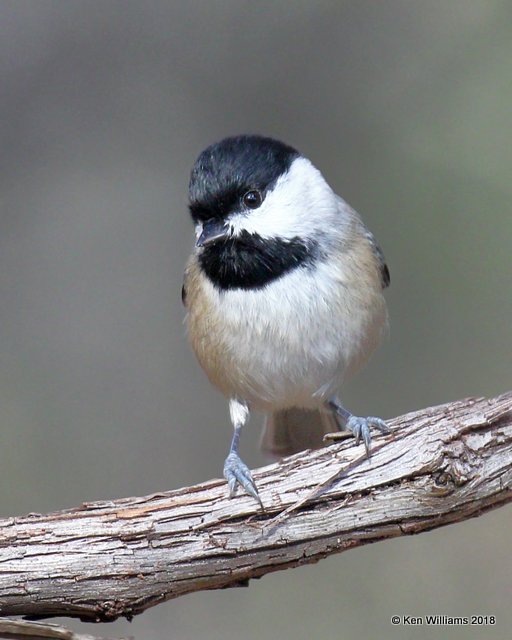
{"x": 291, "y": 430}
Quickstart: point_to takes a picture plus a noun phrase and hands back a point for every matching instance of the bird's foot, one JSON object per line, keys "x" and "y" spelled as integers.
{"x": 358, "y": 426}
{"x": 237, "y": 473}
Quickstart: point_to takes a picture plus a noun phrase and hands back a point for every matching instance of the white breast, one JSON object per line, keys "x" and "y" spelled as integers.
{"x": 292, "y": 342}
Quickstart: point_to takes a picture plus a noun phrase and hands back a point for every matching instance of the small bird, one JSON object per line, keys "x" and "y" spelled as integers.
{"x": 284, "y": 295}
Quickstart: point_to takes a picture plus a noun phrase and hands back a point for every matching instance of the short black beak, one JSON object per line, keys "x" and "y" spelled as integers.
{"x": 212, "y": 230}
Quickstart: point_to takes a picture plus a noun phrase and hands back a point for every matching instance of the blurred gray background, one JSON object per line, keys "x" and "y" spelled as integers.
{"x": 406, "y": 109}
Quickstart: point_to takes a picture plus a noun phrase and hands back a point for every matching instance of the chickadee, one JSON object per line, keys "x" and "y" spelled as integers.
{"x": 283, "y": 292}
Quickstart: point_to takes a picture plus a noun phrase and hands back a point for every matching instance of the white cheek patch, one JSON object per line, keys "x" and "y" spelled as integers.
{"x": 300, "y": 201}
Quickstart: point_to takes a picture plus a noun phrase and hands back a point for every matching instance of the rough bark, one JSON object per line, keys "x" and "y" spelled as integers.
{"x": 109, "y": 559}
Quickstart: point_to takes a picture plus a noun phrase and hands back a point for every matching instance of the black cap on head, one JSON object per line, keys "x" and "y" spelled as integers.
{"x": 226, "y": 170}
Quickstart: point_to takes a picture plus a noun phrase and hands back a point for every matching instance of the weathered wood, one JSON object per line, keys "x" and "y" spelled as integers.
{"x": 117, "y": 558}
{"x": 23, "y": 630}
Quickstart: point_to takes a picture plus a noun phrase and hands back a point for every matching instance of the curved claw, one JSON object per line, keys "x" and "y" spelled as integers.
{"x": 360, "y": 428}
{"x": 237, "y": 473}
{"x": 379, "y": 424}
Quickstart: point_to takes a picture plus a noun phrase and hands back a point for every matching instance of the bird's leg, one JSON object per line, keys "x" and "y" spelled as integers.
{"x": 360, "y": 427}
{"x": 235, "y": 470}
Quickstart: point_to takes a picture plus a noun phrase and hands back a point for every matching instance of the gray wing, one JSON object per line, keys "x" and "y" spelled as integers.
{"x": 384, "y": 271}
{"x": 347, "y": 212}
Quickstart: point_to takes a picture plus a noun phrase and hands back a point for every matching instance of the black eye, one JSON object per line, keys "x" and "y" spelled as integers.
{"x": 252, "y": 199}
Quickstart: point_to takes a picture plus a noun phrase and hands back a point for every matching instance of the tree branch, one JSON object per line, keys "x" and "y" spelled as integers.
{"x": 117, "y": 558}
{"x": 23, "y": 630}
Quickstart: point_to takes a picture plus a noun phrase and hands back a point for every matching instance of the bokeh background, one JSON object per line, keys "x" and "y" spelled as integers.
{"x": 406, "y": 109}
